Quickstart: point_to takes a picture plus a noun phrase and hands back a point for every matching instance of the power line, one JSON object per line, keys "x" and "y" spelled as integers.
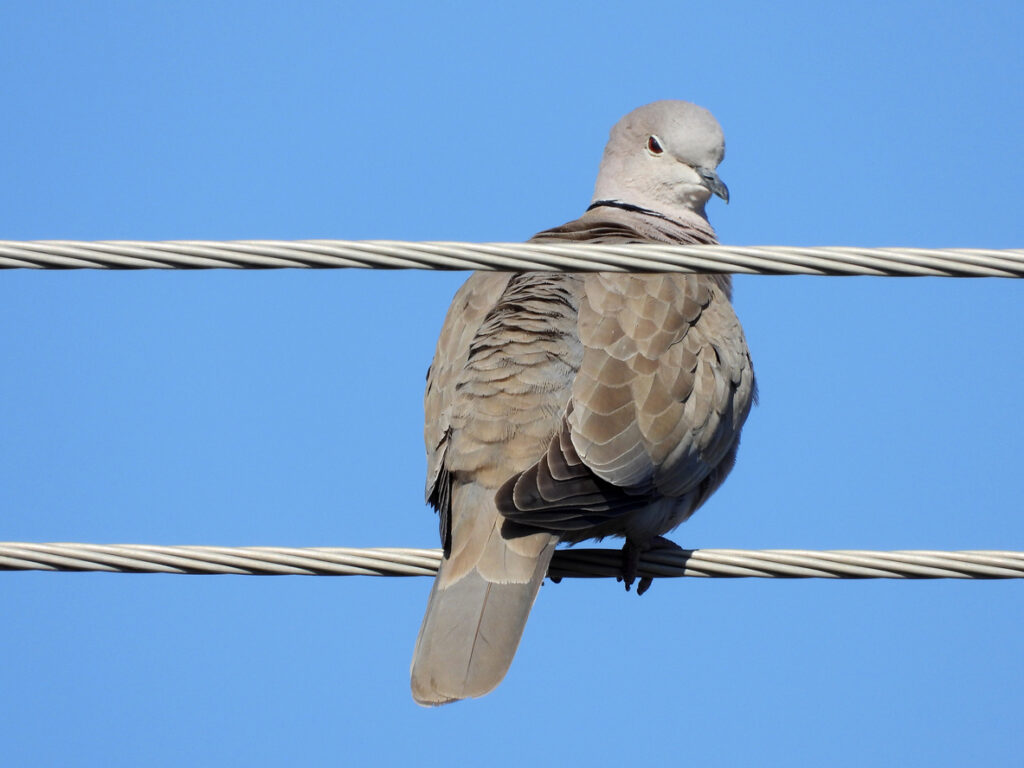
{"x": 567, "y": 563}
{"x": 575, "y": 257}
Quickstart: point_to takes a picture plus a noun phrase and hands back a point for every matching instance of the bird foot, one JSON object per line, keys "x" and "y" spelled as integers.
{"x": 631, "y": 553}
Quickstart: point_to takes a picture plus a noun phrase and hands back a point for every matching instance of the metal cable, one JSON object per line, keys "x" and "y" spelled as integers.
{"x": 573, "y": 257}
{"x": 568, "y": 563}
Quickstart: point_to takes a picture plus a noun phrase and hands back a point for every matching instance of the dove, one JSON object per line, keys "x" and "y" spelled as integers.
{"x": 569, "y": 406}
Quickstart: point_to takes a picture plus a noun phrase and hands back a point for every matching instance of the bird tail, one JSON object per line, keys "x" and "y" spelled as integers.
{"x": 479, "y": 605}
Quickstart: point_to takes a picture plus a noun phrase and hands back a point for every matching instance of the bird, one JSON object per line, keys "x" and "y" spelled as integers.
{"x": 562, "y": 407}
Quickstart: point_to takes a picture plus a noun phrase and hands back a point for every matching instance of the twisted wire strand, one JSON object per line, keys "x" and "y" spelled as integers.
{"x": 571, "y": 257}
{"x": 567, "y": 563}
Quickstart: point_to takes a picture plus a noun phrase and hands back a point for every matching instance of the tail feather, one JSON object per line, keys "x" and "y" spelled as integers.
{"x": 473, "y": 625}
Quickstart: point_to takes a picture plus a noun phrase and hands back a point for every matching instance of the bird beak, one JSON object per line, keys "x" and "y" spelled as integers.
{"x": 713, "y": 183}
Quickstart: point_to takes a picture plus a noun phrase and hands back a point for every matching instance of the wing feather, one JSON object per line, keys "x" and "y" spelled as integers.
{"x": 655, "y": 409}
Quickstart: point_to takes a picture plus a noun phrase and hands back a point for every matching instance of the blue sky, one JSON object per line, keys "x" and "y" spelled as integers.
{"x": 285, "y": 407}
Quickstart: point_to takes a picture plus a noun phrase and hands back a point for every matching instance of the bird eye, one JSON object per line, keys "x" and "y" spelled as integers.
{"x": 654, "y": 146}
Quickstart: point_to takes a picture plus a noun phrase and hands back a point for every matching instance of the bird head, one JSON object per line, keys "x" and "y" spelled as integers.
{"x": 662, "y": 156}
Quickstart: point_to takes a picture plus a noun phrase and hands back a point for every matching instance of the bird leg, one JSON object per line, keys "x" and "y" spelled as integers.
{"x": 631, "y": 553}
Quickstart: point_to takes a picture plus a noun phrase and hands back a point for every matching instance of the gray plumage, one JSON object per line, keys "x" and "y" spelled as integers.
{"x": 563, "y": 407}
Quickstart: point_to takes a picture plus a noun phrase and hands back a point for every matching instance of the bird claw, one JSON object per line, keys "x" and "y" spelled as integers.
{"x": 631, "y": 554}
{"x": 630, "y": 563}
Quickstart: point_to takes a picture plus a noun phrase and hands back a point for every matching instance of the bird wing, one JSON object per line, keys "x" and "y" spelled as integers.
{"x": 477, "y": 296}
{"x": 656, "y": 406}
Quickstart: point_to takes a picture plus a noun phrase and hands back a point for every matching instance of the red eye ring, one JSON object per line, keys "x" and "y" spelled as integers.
{"x": 654, "y": 146}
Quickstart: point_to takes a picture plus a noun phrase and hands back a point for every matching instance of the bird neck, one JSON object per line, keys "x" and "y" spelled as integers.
{"x": 626, "y": 207}
{"x": 686, "y": 217}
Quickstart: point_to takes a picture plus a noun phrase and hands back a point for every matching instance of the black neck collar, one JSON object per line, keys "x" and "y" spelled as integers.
{"x": 627, "y": 207}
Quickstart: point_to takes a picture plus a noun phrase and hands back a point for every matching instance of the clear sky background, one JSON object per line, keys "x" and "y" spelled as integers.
{"x": 284, "y": 408}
